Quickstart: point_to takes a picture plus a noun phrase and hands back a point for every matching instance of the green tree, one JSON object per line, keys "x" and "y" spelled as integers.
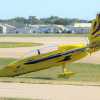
{"x": 61, "y": 22}
{"x": 32, "y": 17}
{"x": 49, "y": 20}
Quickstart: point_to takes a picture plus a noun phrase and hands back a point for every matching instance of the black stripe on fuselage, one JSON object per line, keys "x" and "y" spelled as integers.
{"x": 53, "y": 56}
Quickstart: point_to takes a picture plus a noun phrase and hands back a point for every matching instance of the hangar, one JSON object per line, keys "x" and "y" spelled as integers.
{"x": 51, "y": 28}
{"x": 2, "y": 29}
{"x": 82, "y": 27}
{"x": 16, "y": 27}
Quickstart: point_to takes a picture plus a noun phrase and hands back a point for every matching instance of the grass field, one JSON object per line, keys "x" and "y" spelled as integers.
{"x": 85, "y": 74}
{"x": 1, "y": 98}
{"x": 44, "y": 35}
{"x": 18, "y": 44}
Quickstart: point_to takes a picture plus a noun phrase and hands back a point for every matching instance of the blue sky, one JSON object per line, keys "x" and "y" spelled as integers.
{"x": 81, "y": 9}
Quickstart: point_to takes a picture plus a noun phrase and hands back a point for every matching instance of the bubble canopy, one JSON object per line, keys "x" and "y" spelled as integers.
{"x": 41, "y": 50}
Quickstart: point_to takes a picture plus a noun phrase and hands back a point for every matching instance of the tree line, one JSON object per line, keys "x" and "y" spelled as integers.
{"x": 50, "y": 20}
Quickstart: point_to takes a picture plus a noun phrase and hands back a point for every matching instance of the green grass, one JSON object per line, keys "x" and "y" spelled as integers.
{"x": 4, "y": 98}
{"x": 45, "y": 35}
{"x": 85, "y": 74}
{"x": 18, "y": 44}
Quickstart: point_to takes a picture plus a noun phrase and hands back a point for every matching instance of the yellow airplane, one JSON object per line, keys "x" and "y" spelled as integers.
{"x": 64, "y": 54}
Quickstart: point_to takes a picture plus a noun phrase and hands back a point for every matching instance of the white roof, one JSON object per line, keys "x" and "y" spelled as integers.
{"x": 32, "y": 26}
{"x": 1, "y": 25}
{"x": 9, "y": 26}
{"x": 57, "y": 26}
{"x": 82, "y": 24}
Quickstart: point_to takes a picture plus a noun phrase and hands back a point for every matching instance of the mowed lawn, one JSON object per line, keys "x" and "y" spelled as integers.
{"x": 45, "y": 35}
{"x": 85, "y": 73}
{"x": 18, "y": 44}
{"x": 5, "y": 98}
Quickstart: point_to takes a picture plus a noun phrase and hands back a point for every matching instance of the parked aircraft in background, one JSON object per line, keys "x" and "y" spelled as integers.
{"x": 61, "y": 55}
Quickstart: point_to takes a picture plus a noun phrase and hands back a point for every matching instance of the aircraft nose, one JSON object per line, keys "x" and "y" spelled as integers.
{"x": 2, "y": 73}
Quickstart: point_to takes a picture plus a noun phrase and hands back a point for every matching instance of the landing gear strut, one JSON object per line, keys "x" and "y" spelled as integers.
{"x": 65, "y": 74}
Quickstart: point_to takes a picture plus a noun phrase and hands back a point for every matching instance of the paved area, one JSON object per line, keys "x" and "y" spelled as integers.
{"x": 47, "y": 91}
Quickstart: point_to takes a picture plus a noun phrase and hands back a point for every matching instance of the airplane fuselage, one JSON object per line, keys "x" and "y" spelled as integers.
{"x": 65, "y": 53}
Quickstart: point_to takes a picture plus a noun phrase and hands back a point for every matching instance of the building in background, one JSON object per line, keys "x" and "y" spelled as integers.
{"x": 9, "y": 28}
{"x": 2, "y": 29}
{"x": 18, "y": 28}
{"x": 82, "y": 27}
{"x": 50, "y": 29}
